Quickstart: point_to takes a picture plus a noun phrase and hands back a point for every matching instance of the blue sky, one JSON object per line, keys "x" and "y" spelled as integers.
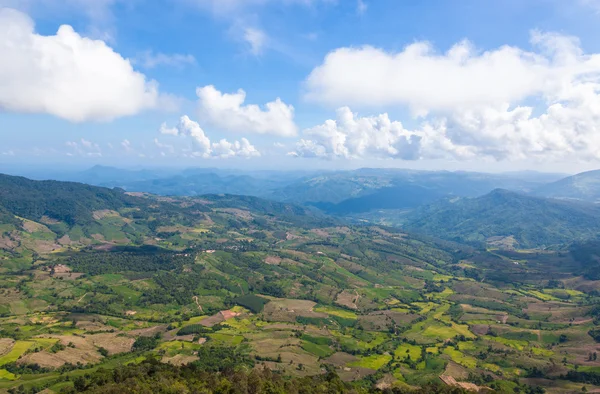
{"x": 361, "y": 83}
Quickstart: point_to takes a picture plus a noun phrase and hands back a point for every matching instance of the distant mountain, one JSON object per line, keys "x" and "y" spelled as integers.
{"x": 507, "y": 217}
{"x": 187, "y": 182}
{"x": 584, "y": 186}
{"x": 366, "y": 190}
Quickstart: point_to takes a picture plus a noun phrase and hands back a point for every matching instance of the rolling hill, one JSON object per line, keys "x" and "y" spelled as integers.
{"x": 531, "y": 221}
{"x": 584, "y": 186}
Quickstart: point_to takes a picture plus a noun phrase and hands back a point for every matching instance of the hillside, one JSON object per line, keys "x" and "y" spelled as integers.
{"x": 532, "y": 221}
{"x": 584, "y": 186}
{"x": 50, "y": 215}
{"x": 229, "y": 291}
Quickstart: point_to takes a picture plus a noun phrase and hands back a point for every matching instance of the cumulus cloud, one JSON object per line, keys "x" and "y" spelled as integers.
{"x": 67, "y": 75}
{"x": 564, "y": 131}
{"x": 462, "y": 77}
{"x": 505, "y": 104}
{"x": 351, "y": 136}
{"x": 149, "y": 59}
{"x": 201, "y": 144}
{"x": 227, "y": 111}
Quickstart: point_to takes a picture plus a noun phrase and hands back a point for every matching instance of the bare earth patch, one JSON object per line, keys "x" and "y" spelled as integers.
{"x": 55, "y": 360}
{"x": 7, "y": 243}
{"x": 148, "y": 332}
{"x": 6, "y": 344}
{"x": 287, "y": 310}
{"x": 240, "y": 213}
{"x": 111, "y": 342}
{"x": 340, "y": 359}
{"x": 348, "y": 299}
{"x": 273, "y": 260}
{"x": 101, "y": 214}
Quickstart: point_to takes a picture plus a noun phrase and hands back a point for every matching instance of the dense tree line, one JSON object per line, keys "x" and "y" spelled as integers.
{"x": 216, "y": 374}
{"x": 117, "y": 262}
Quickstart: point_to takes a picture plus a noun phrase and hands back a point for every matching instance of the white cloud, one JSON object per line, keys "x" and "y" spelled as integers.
{"x": 227, "y": 111}
{"x": 256, "y": 38}
{"x": 563, "y": 132}
{"x": 242, "y": 148}
{"x": 126, "y": 144}
{"x": 162, "y": 146}
{"x": 84, "y": 148}
{"x": 150, "y": 59}
{"x": 353, "y": 137}
{"x": 460, "y": 78}
{"x": 505, "y": 104}
{"x": 67, "y": 75}
{"x": 8, "y": 153}
{"x": 202, "y": 146}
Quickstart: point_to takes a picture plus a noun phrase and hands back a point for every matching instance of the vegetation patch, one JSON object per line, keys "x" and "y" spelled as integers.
{"x": 374, "y": 362}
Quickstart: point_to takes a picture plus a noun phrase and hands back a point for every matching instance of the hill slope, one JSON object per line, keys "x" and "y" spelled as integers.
{"x": 584, "y": 186}
{"x": 47, "y": 215}
{"x": 532, "y": 221}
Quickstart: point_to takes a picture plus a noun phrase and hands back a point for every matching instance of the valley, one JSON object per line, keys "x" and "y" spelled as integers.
{"x": 94, "y": 279}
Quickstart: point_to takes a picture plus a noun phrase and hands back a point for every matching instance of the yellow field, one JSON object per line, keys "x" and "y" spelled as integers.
{"x": 18, "y": 349}
{"x": 336, "y": 312}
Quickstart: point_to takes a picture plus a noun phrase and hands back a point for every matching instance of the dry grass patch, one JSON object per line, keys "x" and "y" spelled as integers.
{"x": 286, "y": 310}
{"x": 179, "y": 359}
{"x": 149, "y": 332}
{"x": 112, "y": 342}
{"x": 340, "y": 359}
{"x": 55, "y": 360}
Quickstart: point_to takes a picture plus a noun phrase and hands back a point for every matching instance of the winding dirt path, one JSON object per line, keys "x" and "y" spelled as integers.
{"x": 195, "y": 298}
{"x": 82, "y": 297}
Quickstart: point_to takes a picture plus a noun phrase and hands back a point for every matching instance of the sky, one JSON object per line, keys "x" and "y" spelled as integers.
{"x": 295, "y": 84}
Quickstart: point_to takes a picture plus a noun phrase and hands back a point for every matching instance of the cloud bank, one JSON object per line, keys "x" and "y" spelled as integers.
{"x": 504, "y": 104}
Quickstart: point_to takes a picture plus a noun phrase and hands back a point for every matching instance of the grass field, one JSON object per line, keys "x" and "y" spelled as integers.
{"x": 5, "y": 375}
{"x": 406, "y": 349}
{"x": 17, "y": 350}
{"x": 317, "y": 350}
{"x": 373, "y": 362}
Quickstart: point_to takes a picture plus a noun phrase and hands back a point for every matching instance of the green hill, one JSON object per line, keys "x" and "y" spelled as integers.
{"x": 70, "y": 202}
{"x": 532, "y": 221}
{"x": 584, "y": 186}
